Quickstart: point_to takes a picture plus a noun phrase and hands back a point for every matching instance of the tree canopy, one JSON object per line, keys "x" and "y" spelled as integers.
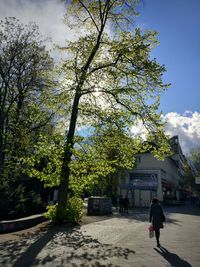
{"x": 192, "y": 169}
{"x": 109, "y": 75}
{"x": 26, "y": 87}
{"x": 107, "y": 82}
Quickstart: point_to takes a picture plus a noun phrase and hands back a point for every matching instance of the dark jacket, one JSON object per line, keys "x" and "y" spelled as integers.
{"x": 125, "y": 202}
{"x": 156, "y": 216}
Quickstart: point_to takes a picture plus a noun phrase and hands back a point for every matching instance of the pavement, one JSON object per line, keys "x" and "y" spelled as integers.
{"x": 107, "y": 241}
{"x": 40, "y": 227}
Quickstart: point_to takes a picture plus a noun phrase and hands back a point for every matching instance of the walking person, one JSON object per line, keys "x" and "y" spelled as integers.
{"x": 126, "y": 204}
{"x": 121, "y": 205}
{"x": 156, "y": 217}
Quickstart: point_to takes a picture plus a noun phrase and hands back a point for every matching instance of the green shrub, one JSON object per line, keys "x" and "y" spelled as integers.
{"x": 73, "y": 212}
{"x": 55, "y": 214}
{"x": 17, "y": 201}
{"x": 75, "y": 209}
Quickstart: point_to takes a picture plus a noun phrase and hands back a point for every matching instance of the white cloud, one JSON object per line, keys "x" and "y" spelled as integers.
{"x": 138, "y": 130}
{"x": 47, "y": 14}
{"x": 186, "y": 126}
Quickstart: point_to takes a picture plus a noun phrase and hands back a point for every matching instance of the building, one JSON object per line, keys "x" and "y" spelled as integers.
{"x": 155, "y": 178}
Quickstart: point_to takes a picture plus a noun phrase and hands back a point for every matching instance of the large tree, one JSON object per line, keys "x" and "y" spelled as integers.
{"x": 25, "y": 90}
{"x": 109, "y": 72}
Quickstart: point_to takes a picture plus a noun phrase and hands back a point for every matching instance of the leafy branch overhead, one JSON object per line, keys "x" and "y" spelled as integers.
{"x": 109, "y": 74}
{"x": 106, "y": 83}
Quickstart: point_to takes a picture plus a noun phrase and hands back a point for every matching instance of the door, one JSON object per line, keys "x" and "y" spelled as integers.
{"x": 145, "y": 198}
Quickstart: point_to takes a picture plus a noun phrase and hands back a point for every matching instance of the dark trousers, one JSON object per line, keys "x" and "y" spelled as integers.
{"x": 157, "y": 233}
{"x": 121, "y": 209}
{"x": 125, "y": 209}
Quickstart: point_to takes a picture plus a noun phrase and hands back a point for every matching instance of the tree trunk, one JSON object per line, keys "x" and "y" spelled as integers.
{"x": 67, "y": 157}
{"x": 1, "y": 144}
{"x": 65, "y": 172}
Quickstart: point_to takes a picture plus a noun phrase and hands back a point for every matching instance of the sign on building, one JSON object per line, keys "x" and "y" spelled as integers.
{"x": 147, "y": 181}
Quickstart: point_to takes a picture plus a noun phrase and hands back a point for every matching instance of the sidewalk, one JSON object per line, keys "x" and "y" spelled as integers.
{"x": 44, "y": 225}
{"x": 34, "y": 227}
{"x": 107, "y": 241}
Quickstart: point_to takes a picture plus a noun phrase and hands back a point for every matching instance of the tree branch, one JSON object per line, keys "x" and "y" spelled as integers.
{"x": 89, "y": 13}
{"x": 113, "y": 64}
{"x": 41, "y": 124}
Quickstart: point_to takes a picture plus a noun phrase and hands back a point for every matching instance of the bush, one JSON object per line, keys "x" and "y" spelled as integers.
{"x": 73, "y": 212}
{"x": 25, "y": 202}
{"x": 55, "y": 214}
{"x": 75, "y": 209}
{"x": 16, "y": 202}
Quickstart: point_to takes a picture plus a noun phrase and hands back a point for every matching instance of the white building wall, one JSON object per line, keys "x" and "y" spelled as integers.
{"x": 170, "y": 170}
{"x": 147, "y": 163}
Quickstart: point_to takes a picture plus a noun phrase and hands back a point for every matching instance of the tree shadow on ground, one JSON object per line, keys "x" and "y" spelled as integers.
{"x": 183, "y": 209}
{"x": 143, "y": 217}
{"x": 186, "y": 209}
{"x": 173, "y": 259}
{"x": 60, "y": 246}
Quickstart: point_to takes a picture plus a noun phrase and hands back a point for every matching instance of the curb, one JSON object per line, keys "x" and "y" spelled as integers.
{"x": 20, "y": 224}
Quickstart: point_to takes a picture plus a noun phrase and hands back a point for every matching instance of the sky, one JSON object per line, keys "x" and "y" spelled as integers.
{"x": 178, "y": 25}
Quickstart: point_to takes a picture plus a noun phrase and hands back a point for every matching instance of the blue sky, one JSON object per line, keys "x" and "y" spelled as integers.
{"x": 178, "y": 26}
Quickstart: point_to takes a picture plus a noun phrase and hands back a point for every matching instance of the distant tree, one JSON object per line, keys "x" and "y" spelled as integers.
{"x": 192, "y": 169}
{"x": 109, "y": 73}
{"x": 24, "y": 89}
{"x": 189, "y": 177}
{"x": 195, "y": 157}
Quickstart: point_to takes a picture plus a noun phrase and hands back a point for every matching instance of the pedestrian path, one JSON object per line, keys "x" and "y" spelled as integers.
{"x": 118, "y": 241}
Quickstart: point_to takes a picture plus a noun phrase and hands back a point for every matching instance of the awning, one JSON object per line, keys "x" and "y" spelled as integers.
{"x": 139, "y": 187}
{"x": 167, "y": 184}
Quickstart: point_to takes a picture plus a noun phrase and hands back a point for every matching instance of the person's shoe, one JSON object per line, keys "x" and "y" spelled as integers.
{"x": 158, "y": 245}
